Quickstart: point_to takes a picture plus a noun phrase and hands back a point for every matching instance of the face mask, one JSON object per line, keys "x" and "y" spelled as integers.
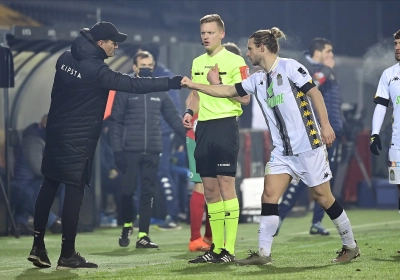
{"x": 145, "y": 72}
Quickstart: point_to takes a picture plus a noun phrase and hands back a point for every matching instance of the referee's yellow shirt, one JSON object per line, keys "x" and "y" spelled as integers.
{"x": 232, "y": 69}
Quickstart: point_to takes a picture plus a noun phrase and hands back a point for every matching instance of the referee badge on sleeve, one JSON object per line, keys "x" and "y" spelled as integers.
{"x": 244, "y": 72}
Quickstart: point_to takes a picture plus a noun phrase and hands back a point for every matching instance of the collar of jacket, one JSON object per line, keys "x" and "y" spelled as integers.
{"x": 84, "y": 47}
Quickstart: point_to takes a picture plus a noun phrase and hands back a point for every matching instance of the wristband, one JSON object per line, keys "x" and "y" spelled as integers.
{"x": 189, "y": 111}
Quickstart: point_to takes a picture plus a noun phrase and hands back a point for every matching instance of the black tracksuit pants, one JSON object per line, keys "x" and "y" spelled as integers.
{"x": 143, "y": 166}
{"x": 70, "y": 214}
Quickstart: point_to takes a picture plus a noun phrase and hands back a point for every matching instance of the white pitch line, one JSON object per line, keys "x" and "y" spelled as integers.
{"x": 357, "y": 226}
{"x": 332, "y": 229}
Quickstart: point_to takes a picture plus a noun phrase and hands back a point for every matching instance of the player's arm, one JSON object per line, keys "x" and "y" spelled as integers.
{"x": 382, "y": 102}
{"x": 245, "y": 100}
{"x": 193, "y": 101}
{"x": 214, "y": 79}
{"x": 213, "y": 90}
{"x": 327, "y": 133}
{"x": 239, "y": 74}
{"x": 377, "y": 118}
{"x": 377, "y": 121}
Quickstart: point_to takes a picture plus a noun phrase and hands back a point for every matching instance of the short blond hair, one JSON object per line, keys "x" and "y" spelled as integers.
{"x": 213, "y": 18}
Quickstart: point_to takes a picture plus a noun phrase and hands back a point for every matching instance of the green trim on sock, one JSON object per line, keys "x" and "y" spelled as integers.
{"x": 141, "y": 234}
{"x": 231, "y": 223}
{"x": 128, "y": 224}
{"x": 216, "y": 215}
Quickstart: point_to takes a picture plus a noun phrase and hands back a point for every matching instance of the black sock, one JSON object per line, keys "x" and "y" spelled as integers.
{"x": 334, "y": 211}
{"x": 38, "y": 240}
{"x": 399, "y": 203}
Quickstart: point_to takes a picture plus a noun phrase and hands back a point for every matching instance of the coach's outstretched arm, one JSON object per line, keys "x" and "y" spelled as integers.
{"x": 213, "y": 90}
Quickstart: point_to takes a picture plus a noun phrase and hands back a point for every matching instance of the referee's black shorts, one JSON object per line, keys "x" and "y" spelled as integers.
{"x": 217, "y": 147}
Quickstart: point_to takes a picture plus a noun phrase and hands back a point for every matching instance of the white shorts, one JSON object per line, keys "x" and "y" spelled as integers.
{"x": 312, "y": 167}
{"x": 394, "y": 166}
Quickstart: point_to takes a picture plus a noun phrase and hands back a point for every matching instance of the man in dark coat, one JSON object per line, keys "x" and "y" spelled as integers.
{"x": 136, "y": 140}
{"x": 79, "y": 96}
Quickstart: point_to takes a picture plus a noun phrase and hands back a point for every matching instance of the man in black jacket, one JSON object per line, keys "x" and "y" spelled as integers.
{"x": 136, "y": 141}
{"x": 78, "y": 101}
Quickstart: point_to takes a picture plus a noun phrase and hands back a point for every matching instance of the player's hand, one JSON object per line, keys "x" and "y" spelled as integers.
{"x": 328, "y": 135}
{"x": 187, "y": 121}
{"x": 375, "y": 144}
{"x": 186, "y": 82}
{"x": 213, "y": 75}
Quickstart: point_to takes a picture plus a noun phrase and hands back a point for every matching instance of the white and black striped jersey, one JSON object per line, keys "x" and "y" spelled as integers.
{"x": 287, "y": 110}
{"x": 389, "y": 89}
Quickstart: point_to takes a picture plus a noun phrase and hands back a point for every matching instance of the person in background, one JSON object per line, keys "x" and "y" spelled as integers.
{"x": 197, "y": 243}
{"x": 136, "y": 142}
{"x": 27, "y": 179}
{"x": 111, "y": 181}
{"x": 167, "y": 185}
{"x": 388, "y": 91}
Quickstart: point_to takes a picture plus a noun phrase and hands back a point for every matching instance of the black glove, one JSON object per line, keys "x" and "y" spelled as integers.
{"x": 120, "y": 161}
{"x": 175, "y": 82}
{"x": 375, "y": 144}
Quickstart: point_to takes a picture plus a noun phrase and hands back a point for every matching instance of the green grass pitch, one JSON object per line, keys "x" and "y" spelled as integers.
{"x": 295, "y": 253}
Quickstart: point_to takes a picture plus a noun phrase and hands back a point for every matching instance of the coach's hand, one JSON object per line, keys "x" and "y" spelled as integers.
{"x": 175, "y": 82}
{"x": 120, "y": 161}
{"x": 375, "y": 144}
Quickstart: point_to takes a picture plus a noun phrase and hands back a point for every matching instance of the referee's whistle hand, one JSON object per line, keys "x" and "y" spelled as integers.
{"x": 213, "y": 75}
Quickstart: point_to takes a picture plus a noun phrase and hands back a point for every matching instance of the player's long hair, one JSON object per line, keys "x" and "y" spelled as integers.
{"x": 269, "y": 38}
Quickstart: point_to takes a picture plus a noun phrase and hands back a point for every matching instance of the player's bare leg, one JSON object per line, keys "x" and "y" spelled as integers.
{"x": 274, "y": 187}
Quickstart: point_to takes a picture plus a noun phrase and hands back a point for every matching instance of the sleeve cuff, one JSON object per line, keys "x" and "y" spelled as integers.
{"x": 381, "y": 101}
{"x": 240, "y": 90}
{"x": 307, "y": 86}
